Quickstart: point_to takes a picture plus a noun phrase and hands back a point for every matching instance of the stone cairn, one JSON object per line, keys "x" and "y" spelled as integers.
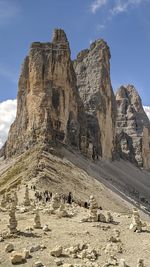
{"x": 62, "y": 211}
{"x": 26, "y": 198}
{"x": 8, "y": 197}
{"x": 115, "y": 237}
{"x": 109, "y": 217}
{"x": 136, "y": 224}
{"x": 15, "y": 198}
{"x": 12, "y": 220}
{"x": 37, "y": 221}
{"x": 93, "y": 209}
{"x": 101, "y": 217}
{"x": 55, "y": 204}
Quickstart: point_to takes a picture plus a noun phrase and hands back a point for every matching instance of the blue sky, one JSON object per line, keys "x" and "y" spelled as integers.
{"x": 124, "y": 24}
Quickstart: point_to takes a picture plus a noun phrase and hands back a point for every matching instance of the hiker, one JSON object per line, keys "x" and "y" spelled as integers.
{"x": 85, "y": 205}
{"x": 69, "y": 198}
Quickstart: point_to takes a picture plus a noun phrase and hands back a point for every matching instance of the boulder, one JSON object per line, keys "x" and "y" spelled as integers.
{"x": 9, "y": 248}
{"x": 16, "y": 257}
{"x": 57, "y": 251}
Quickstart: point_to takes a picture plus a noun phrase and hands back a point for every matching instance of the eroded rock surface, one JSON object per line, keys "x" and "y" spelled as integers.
{"x": 49, "y": 108}
{"x": 92, "y": 68}
{"x": 72, "y": 103}
{"x": 132, "y": 127}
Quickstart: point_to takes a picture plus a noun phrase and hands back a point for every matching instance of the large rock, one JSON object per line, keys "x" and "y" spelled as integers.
{"x": 92, "y": 68}
{"x": 49, "y": 108}
{"x": 57, "y": 251}
{"x": 9, "y": 248}
{"x": 16, "y": 257}
{"x": 132, "y": 127}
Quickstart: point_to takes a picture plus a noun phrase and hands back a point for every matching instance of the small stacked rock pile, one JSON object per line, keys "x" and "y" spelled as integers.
{"x": 136, "y": 224}
{"x": 37, "y": 221}
{"x": 93, "y": 209}
{"x": 55, "y": 203}
{"x": 62, "y": 211}
{"x": 26, "y": 198}
{"x": 15, "y": 197}
{"x": 12, "y": 221}
{"x": 109, "y": 217}
{"x": 114, "y": 245}
{"x": 115, "y": 237}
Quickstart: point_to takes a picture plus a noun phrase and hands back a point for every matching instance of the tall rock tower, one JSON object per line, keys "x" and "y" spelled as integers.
{"x": 49, "y": 107}
{"x": 132, "y": 127}
{"x": 92, "y": 68}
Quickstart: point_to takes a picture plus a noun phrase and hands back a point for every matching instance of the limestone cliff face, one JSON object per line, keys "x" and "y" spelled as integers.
{"x": 73, "y": 103}
{"x": 132, "y": 127}
{"x": 93, "y": 81}
{"x": 49, "y": 107}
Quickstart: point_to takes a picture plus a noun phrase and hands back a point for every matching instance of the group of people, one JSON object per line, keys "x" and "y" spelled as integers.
{"x": 46, "y": 196}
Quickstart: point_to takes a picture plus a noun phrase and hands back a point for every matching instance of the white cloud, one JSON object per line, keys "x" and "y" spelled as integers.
{"x": 7, "y": 116}
{"x": 147, "y": 110}
{"x": 97, "y": 4}
{"x": 122, "y": 6}
{"x": 112, "y": 9}
{"x": 115, "y": 7}
{"x": 8, "y": 10}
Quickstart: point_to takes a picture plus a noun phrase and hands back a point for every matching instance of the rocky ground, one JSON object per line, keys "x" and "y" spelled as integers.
{"x": 63, "y": 171}
{"x": 83, "y": 243}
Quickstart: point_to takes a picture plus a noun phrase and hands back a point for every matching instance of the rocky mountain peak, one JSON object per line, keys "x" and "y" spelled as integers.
{"x": 133, "y": 126}
{"x": 59, "y": 36}
{"x": 92, "y": 69}
{"x": 48, "y": 101}
{"x": 131, "y": 95}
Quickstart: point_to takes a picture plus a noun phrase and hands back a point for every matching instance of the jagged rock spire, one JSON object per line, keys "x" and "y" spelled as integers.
{"x": 49, "y": 106}
{"x": 92, "y": 69}
{"x": 132, "y": 126}
{"x": 59, "y": 36}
